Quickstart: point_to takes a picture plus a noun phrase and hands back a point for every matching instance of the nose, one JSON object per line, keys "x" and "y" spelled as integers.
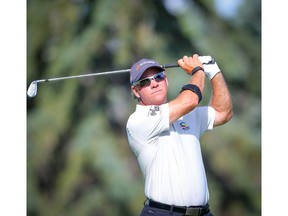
{"x": 153, "y": 83}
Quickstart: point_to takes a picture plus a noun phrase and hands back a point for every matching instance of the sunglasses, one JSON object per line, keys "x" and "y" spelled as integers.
{"x": 147, "y": 81}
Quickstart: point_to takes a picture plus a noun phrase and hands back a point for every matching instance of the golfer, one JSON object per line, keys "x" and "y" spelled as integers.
{"x": 164, "y": 136}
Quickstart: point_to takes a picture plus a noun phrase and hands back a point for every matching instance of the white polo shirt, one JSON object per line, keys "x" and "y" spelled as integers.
{"x": 170, "y": 155}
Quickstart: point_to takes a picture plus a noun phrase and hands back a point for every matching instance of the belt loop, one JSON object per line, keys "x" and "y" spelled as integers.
{"x": 171, "y": 210}
{"x": 200, "y": 212}
{"x": 146, "y": 202}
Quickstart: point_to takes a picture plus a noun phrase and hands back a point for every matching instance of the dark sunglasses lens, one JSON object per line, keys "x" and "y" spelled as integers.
{"x": 159, "y": 77}
{"x": 145, "y": 82}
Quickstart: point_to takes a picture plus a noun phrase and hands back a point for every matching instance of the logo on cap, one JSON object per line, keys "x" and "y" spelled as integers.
{"x": 139, "y": 68}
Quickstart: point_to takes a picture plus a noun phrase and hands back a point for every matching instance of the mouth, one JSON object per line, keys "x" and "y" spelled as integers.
{"x": 155, "y": 92}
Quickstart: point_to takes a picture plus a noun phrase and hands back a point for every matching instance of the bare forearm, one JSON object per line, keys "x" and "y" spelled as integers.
{"x": 221, "y": 100}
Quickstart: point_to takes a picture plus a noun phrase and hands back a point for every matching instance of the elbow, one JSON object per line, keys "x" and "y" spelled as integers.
{"x": 223, "y": 118}
{"x": 229, "y": 115}
{"x": 223, "y": 114}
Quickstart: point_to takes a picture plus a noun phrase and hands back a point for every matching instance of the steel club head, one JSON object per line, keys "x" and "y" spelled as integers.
{"x": 32, "y": 90}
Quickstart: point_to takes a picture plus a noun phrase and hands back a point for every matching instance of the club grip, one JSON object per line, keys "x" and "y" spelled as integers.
{"x": 170, "y": 65}
{"x": 176, "y": 65}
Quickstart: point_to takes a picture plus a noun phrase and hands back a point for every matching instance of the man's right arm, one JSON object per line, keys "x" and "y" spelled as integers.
{"x": 187, "y": 100}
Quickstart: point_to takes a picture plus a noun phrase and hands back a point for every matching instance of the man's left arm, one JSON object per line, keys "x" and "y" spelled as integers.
{"x": 221, "y": 100}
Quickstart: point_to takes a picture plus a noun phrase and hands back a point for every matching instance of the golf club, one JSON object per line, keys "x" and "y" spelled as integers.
{"x": 32, "y": 90}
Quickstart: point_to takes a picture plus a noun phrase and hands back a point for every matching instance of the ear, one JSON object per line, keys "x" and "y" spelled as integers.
{"x": 135, "y": 91}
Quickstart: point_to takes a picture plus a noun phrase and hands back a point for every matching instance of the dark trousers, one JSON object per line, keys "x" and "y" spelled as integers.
{"x": 151, "y": 211}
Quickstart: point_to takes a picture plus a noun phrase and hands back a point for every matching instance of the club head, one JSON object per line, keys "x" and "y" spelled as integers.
{"x": 32, "y": 90}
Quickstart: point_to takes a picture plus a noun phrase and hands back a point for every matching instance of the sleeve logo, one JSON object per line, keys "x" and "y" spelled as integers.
{"x": 153, "y": 110}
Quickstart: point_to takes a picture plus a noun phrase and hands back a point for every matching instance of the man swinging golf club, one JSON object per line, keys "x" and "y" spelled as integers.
{"x": 164, "y": 135}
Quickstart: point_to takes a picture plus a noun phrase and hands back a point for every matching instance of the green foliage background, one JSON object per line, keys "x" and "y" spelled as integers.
{"x": 78, "y": 158}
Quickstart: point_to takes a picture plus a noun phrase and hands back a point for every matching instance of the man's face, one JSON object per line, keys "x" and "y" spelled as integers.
{"x": 154, "y": 93}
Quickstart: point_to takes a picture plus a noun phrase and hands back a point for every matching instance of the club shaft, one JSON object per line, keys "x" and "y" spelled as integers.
{"x": 107, "y": 73}
{"x": 32, "y": 90}
{"x": 84, "y": 75}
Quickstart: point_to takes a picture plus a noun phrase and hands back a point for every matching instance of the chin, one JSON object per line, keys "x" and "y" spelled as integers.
{"x": 160, "y": 102}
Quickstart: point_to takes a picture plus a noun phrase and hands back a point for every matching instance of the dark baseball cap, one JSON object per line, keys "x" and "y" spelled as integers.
{"x": 140, "y": 67}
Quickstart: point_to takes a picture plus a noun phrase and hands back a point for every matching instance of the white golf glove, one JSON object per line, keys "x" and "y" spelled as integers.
{"x": 210, "y": 70}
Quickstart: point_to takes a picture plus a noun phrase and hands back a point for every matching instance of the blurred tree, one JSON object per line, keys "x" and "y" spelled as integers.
{"x": 79, "y": 161}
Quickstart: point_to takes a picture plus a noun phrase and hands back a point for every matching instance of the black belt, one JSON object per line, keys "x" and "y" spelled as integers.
{"x": 192, "y": 210}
